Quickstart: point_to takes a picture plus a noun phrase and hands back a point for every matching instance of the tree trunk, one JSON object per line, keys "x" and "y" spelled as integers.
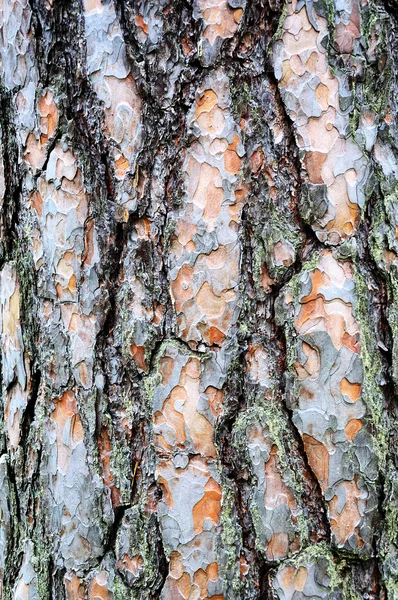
{"x": 198, "y": 299}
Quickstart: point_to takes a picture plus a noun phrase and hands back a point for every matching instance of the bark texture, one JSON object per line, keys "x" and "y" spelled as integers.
{"x": 198, "y": 299}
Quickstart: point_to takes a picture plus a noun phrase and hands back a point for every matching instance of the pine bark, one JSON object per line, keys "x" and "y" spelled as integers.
{"x": 198, "y": 300}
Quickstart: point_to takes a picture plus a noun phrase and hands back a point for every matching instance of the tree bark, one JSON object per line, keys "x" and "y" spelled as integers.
{"x": 198, "y": 299}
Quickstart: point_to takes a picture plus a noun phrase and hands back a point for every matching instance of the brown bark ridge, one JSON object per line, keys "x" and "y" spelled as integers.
{"x": 198, "y": 300}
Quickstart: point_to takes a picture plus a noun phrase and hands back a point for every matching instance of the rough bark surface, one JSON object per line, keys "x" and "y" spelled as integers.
{"x": 198, "y": 299}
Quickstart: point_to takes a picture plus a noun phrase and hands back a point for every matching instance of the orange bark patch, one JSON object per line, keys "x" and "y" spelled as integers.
{"x": 181, "y": 286}
{"x": 11, "y": 323}
{"x": 352, "y": 390}
{"x": 74, "y": 587}
{"x": 300, "y": 578}
{"x": 352, "y": 428}
{"x": 278, "y": 546}
{"x": 174, "y": 417}
{"x": 244, "y": 567}
{"x": 206, "y": 103}
{"x": 277, "y": 491}
{"x": 48, "y": 116}
{"x": 184, "y": 585}
{"x": 347, "y": 215}
{"x": 166, "y": 366}
{"x": 212, "y": 123}
{"x": 88, "y": 252}
{"x": 138, "y": 353}
{"x": 287, "y": 577}
{"x": 176, "y": 568}
{"x": 214, "y": 198}
{"x": 220, "y": 20}
{"x": 215, "y": 398}
{"x": 186, "y": 46}
{"x": 104, "y": 446}
{"x": 36, "y": 202}
{"x": 200, "y": 579}
{"x": 192, "y": 369}
{"x": 318, "y": 459}
{"x": 121, "y": 167}
{"x": 322, "y": 96}
{"x": 66, "y": 418}
{"x": 311, "y": 310}
{"x": 345, "y": 523}
{"x": 212, "y": 571}
{"x": 313, "y": 163}
{"x": 211, "y": 305}
{"x": 346, "y": 33}
{"x": 72, "y": 284}
{"x": 84, "y": 373}
{"x": 139, "y": 21}
{"x": 209, "y": 507}
{"x": 217, "y": 258}
{"x": 216, "y": 336}
{"x": 351, "y": 342}
{"x": 34, "y": 154}
{"x": 12, "y": 422}
{"x": 258, "y": 363}
{"x": 167, "y": 495}
{"x": 143, "y": 228}
{"x": 179, "y": 417}
{"x": 186, "y": 231}
{"x": 98, "y": 589}
{"x": 200, "y": 429}
{"x": 257, "y": 160}
{"x": 312, "y": 366}
{"x": 317, "y": 282}
{"x": 232, "y": 161}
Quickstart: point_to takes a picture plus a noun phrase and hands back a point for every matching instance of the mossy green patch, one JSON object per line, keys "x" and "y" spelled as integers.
{"x": 40, "y": 561}
{"x": 25, "y": 268}
{"x": 337, "y": 569}
{"x": 141, "y": 532}
{"x": 120, "y": 463}
{"x": 279, "y": 30}
{"x": 372, "y": 368}
{"x": 278, "y": 228}
{"x": 121, "y": 591}
{"x": 231, "y": 541}
{"x": 267, "y": 414}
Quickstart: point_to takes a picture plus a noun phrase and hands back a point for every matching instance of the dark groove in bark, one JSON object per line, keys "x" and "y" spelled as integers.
{"x": 9, "y": 217}
{"x": 30, "y": 413}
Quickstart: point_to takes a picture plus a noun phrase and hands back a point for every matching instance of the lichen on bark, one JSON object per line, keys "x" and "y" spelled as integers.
{"x": 198, "y": 300}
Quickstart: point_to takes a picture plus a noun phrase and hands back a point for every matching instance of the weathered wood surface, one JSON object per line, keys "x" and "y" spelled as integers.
{"x": 198, "y": 299}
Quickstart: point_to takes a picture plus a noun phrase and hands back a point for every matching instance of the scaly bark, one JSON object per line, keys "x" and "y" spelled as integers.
{"x": 198, "y": 300}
